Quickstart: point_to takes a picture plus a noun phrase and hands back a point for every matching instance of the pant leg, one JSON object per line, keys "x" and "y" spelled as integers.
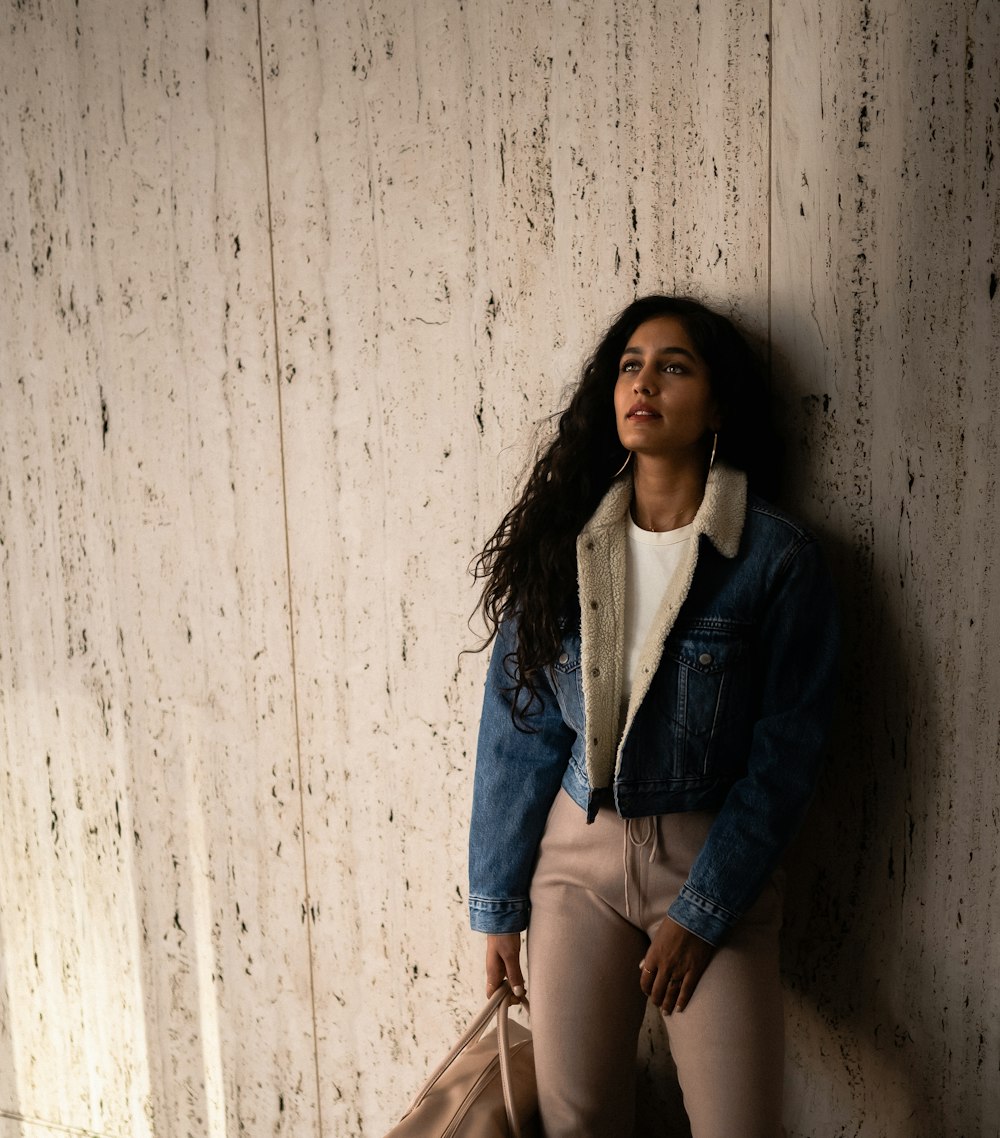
{"x": 585, "y": 941}
{"x": 728, "y": 1044}
{"x": 583, "y": 964}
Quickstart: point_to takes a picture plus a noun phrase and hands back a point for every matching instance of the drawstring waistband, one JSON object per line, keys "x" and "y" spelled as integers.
{"x": 648, "y": 835}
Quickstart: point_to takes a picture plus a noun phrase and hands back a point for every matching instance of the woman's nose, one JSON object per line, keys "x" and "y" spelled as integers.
{"x": 643, "y": 384}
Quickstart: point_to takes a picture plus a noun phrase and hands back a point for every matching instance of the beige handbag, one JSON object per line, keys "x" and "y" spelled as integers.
{"x": 485, "y": 1088}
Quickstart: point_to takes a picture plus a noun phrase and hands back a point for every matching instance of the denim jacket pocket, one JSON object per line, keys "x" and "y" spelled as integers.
{"x": 567, "y": 682}
{"x": 704, "y": 696}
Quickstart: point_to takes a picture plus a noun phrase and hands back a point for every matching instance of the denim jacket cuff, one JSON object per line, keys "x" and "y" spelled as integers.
{"x": 701, "y": 916}
{"x": 487, "y": 915}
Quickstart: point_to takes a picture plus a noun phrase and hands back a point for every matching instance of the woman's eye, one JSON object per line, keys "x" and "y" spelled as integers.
{"x": 674, "y": 367}
{"x": 629, "y": 365}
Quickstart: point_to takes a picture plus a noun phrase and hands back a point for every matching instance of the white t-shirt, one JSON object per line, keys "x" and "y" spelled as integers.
{"x": 651, "y": 560}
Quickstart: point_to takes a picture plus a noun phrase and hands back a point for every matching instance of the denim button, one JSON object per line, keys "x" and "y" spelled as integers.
{"x": 593, "y": 604}
{"x": 596, "y": 672}
{"x": 705, "y": 659}
{"x": 563, "y": 657}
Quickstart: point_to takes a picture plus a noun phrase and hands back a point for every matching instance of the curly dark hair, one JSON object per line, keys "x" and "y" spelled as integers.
{"x": 529, "y": 563}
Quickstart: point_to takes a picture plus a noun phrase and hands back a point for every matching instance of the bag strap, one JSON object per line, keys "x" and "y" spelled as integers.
{"x": 496, "y": 1006}
{"x": 506, "y": 1080}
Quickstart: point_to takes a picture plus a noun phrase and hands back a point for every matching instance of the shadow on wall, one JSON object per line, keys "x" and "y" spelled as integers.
{"x": 843, "y": 931}
{"x": 659, "y": 1103}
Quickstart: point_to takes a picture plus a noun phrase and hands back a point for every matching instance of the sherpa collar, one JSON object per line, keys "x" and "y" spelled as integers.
{"x": 720, "y": 515}
{"x": 601, "y": 566}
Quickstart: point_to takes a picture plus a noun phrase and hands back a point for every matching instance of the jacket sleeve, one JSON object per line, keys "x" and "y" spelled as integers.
{"x": 518, "y": 774}
{"x": 799, "y": 643}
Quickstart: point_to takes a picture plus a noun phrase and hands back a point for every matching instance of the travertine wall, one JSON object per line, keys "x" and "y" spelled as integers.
{"x": 273, "y": 355}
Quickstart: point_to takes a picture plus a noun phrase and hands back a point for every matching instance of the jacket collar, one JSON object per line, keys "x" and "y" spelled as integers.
{"x": 720, "y": 516}
{"x": 601, "y": 567}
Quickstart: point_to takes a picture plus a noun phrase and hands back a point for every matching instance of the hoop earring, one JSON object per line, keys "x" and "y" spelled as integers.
{"x": 628, "y": 459}
{"x": 715, "y": 444}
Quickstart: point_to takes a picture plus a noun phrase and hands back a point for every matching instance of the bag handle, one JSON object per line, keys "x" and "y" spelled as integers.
{"x": 506, "y": 1076}
{"x": 496, "y": 1006}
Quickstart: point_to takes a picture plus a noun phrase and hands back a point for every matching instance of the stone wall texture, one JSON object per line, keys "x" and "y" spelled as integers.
{"x": 290, "y": 290}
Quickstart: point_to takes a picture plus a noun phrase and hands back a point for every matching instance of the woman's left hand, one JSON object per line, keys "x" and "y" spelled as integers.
{"x": 673, "y": 965}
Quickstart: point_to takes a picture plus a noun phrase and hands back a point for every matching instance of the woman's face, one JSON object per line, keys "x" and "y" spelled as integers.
{"x": 663, "y": 397}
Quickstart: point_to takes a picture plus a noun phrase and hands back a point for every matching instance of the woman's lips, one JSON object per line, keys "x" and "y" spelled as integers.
{"x": 642, "y": 412}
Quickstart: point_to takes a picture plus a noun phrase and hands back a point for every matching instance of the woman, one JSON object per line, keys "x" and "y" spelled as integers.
{"x": 652, "y": 730}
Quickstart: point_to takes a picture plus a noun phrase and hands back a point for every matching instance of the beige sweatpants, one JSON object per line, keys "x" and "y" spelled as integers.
{"x": 597, "y": 896}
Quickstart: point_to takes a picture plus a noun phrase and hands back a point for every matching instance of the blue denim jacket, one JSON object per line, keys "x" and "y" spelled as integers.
{"x": 728, "y": 712}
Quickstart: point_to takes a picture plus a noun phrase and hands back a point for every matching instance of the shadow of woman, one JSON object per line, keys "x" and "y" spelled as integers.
{"x": 851, "y": 1061}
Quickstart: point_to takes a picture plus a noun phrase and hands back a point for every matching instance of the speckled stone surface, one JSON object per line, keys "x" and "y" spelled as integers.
{"x": 155, "y": 959}
{"x": 273, "y": 358}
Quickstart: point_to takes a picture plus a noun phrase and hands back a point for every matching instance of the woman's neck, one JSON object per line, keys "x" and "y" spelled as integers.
{"x": 666, "y": 494}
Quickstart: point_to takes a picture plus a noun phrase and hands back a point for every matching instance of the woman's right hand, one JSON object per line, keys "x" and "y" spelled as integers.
{"x": 503, "y": 959}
